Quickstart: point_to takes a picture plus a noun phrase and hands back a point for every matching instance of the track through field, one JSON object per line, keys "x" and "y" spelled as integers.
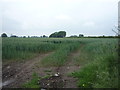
{"x": 16, "y": 74}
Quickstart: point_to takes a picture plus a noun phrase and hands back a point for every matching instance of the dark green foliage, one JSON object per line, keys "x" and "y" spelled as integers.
{"x": 74, "y": 36}
{"x": 16, "y": 36}
{"x": 87, "y": 76}
{"x": 4, "y": 35}
{"x": 59, "y": 34}
{"x": 101, "y": 70}
{"x": 81, "y": 35}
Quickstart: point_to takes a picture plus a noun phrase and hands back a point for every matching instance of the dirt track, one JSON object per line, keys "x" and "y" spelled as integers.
{"x": 69, "y": 67}
{"x": 15, "y": 74}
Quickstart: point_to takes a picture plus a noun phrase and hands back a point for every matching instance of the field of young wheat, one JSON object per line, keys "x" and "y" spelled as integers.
{"x": 98, "y": 57}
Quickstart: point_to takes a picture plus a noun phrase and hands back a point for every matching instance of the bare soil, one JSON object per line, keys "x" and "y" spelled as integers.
{"x": 69, "y": 67}
{"x": 17, "y": 73}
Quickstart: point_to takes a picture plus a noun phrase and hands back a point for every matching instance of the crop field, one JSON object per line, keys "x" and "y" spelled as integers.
{"x": 78, "y": 62}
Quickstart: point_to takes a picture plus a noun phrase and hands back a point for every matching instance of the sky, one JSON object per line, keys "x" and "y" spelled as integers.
{"x": 43, "y": 17}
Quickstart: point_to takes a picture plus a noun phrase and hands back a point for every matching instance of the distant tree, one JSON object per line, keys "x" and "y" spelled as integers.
{"x": 81, "y": 35}
{"x": 59, "y": 34}
{"x": 24, "y": 36}
{"x": 103, "y": 35}
{"x": 13, "y": 36}
{"x": 44, "y": 36}
{"x": 4, "y": 35}
{"x": 34, "y": 36}
{"x": 54, "y": 34}
{"x": 74, "y": 36}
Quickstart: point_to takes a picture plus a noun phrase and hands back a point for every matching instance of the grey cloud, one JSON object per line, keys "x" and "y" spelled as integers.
{"x": 44, "y": 17}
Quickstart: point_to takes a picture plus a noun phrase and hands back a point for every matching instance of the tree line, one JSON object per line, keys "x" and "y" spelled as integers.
{"x": 60, "y": 34}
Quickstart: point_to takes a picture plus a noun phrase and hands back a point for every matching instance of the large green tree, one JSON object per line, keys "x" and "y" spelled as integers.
{"x": 59, "y": 34}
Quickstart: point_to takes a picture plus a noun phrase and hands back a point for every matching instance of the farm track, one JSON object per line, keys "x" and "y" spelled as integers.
{"x": 64, "y": 80}
{"x": 16, "y": 73}
{"x": 68, "y": 68}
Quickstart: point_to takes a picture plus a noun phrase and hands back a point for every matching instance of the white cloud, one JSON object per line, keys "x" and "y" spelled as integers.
{"x": 51, "y": 15}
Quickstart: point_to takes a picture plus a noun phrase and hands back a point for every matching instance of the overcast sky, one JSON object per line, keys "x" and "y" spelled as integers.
{"x": 43, "y": 17}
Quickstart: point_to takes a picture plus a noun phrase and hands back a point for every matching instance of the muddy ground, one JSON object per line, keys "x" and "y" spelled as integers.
{"x": 15, "y": 74}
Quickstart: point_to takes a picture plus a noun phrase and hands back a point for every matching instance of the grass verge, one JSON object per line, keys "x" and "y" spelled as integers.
{"x": 101, "y": 69}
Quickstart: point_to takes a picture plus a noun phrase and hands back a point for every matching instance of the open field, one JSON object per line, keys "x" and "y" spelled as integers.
{"x": 78, "y": 62}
